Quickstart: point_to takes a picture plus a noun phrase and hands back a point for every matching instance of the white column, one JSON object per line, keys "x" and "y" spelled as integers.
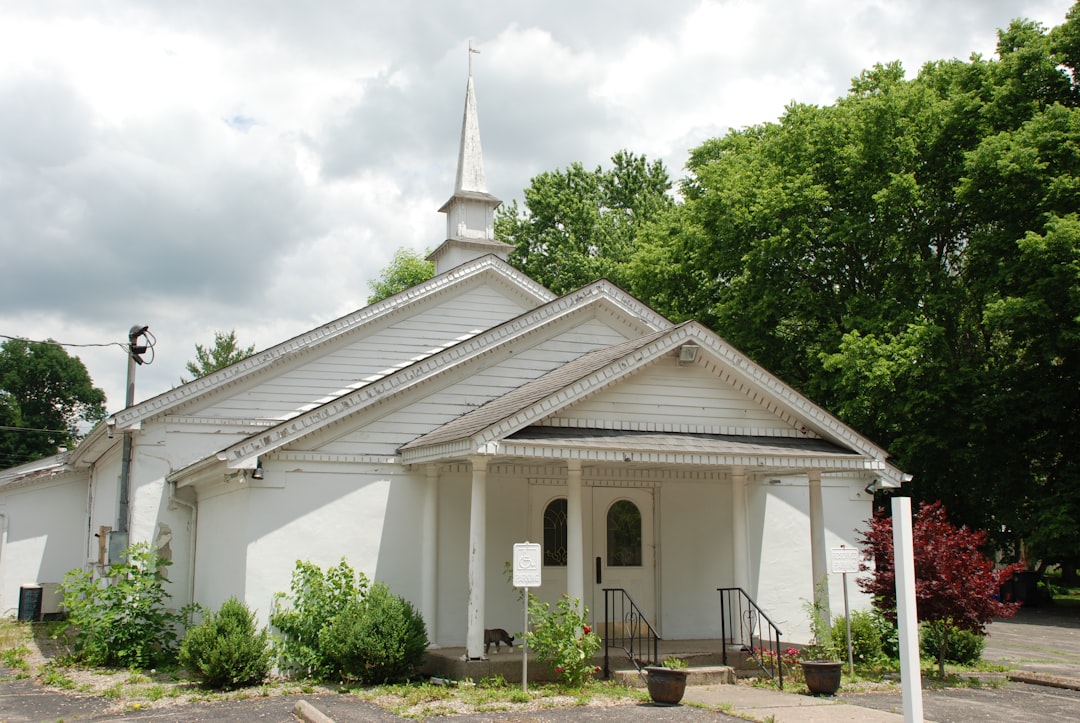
{"x": 906, "y": 609}
{"x": 575, "y": 548}
{"x": 429, "y": 563}
{"x": 818, "y": 554}
{"x": 739, "y": 552}
{"x": 474, "y": 636}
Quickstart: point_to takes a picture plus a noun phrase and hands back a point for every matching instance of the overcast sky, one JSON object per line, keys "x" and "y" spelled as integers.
{"x": 252, "y": 164}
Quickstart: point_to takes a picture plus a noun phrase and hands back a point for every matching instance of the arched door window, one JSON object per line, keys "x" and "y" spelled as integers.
{"x": 624, "y": 535}
{"x": 555, "y": 533}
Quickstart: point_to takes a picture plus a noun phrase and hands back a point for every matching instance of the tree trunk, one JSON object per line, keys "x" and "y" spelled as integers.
{"x": 943, "y": 648}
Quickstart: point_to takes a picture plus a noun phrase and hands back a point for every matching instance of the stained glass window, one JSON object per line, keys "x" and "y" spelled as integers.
{"x": 624, "y": 535}
{"x": 555, "y": 533}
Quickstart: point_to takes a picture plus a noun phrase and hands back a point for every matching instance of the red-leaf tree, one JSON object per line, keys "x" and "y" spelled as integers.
{"x": 956, "y": 584}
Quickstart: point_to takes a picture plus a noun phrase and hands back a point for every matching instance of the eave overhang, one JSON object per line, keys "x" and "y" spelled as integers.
{"x": 491, "y": 429}
{"x": 244, "y": 454}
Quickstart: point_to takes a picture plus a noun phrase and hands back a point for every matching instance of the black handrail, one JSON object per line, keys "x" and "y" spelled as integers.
{"x": 745, "y": 618}
{"x": 627, "y": 628}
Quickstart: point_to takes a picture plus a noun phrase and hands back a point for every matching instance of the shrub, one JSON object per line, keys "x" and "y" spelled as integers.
{"x": 888, "y": 633}
{"x": 963, "y": 647}
{"x": 865, "y": 637}
{"x": 225, "y": 651}
{"x": 562, "y": 639}
{"x": 122, "y": 618}
{"x": 381, "y": 639}
{"x": 316, "y": 598}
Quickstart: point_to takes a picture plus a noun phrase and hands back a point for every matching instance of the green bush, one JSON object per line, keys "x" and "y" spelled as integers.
{"x": 225, "y": 651}
{"x": 316, "y": 598}
{"x": 888, "y": 633}
{"x": 561, "y": 637}
{"x": 963, "y": 647}
{"x": 122, "y": 618}
{"x": 334, "y": 627}
{"x": 865, "y": 638}
{"x": 381, "y": 639}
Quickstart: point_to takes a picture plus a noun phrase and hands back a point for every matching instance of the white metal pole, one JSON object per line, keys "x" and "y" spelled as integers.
{"x": 525, "y": 646}
{"x": 906, "y": 611}
{"x": 847, "y": 623}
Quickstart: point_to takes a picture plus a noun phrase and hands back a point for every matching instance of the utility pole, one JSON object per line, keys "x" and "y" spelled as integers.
{"x": 135, "y": 352}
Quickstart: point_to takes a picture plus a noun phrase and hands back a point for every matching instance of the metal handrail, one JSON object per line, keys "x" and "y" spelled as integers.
{"x": 627, "y": 628}
{"x": 746, "y": 620}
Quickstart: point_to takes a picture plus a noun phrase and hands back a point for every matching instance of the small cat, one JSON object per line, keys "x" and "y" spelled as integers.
{"x": 497, "y": 636}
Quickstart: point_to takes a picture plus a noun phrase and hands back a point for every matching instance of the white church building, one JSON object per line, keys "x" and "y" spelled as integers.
{"x": 421, "y": 437}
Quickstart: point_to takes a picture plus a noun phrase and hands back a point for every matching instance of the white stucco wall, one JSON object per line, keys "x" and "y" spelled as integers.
{"x": 251, "y": 534}
{"x": 782, "y": 580}
{"x": 42, "y": 533}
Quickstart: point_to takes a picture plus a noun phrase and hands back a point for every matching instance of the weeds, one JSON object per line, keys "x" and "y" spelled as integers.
{"x": 56, "y": 678}
{"x": 15, "y": 658}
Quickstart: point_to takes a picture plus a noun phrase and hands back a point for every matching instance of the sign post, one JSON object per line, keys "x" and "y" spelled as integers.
{"x": 527, "y": 566}
{"x": 845, "y": 560}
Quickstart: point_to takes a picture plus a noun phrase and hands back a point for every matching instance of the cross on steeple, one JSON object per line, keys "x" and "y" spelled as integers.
{"x": 472, "y": 51}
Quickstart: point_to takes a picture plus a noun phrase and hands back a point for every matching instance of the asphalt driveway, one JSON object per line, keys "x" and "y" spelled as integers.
{"x": 1042, "y": 641}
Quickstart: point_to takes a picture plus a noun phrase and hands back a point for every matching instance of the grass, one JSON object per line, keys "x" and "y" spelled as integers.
{"x": 1063, "y": 595}
{"x": 143, "y": 689}
{"x": 424, "y": 699}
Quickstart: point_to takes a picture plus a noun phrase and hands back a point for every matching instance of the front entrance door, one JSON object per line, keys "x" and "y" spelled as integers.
{"x": 623, "y": 547}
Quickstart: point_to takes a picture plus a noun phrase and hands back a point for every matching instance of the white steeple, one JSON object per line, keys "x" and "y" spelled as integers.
{"x": 470, "y": 212}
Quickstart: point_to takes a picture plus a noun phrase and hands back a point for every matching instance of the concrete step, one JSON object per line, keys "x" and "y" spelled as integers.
{"x": 703, "y": 675}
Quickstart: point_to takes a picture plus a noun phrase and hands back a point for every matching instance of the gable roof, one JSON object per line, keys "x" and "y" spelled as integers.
{"x": 309, "y": 342}
{"x": 242, "y": 454}
{"x": 507, "y": 425}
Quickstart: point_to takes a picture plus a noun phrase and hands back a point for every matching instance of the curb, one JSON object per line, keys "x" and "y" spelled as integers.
{"x": 1053, "y": 681}
{"x": 307, "y": 712}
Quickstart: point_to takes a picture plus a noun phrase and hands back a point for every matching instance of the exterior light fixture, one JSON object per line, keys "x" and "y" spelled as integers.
{"x": 257, "y": 473}
{"x": 688, "y": 354}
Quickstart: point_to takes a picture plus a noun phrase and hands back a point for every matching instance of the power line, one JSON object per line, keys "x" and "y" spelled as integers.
{"x": 32, "y": 429}
{"x": 52, "y": 342}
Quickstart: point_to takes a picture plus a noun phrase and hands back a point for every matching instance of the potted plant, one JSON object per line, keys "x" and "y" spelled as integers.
{"x": 820, "y": 667}
{"x": 667, "y": 681}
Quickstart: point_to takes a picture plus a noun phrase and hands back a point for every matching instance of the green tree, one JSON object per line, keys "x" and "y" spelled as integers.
{"x": 407, "y": 268}
{"x": 226, "y": 351}
{"x": 907, "y": 258}
{"x": 956, "y": 584}
{"x": 577, "y": 225}
{"x": 45, "y": 395}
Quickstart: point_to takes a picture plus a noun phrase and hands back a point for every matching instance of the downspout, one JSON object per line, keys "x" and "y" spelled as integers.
{"x": 193, "y": 535}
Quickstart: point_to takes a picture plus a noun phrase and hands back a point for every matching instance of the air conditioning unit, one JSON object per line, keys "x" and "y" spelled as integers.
{"x": 50, "y": 601}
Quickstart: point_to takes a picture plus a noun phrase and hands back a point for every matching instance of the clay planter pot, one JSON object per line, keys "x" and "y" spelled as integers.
{"x": 666, "y": 686}
{"x": 822, "y": 676}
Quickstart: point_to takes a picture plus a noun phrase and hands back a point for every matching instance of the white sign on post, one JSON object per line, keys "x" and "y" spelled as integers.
{"x": 528, "y": 562}
{"x": 845, "y": 559}
{"x": 527, "y": 559}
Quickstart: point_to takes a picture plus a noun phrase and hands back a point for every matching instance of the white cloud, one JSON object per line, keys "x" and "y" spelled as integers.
{"x": 253, "y": 164}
